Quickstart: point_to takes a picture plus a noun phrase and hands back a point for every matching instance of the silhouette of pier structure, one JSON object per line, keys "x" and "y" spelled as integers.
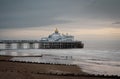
{"x": 19, "y": 43}
{"x": 41, "y": 44}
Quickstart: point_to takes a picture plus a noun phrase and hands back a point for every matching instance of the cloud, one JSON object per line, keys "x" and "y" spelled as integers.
{"x": 105, "y": 9}
{"x": 28, "y": 13}
{"x": 116, "y": 23}
{"x": 39, "y": 13}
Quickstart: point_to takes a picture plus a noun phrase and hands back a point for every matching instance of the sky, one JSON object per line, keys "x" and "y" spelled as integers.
{"x": 85, "y": 19}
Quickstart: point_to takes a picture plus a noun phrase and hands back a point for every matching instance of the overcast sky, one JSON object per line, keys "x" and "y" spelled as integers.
{"x": 85, "y": 19}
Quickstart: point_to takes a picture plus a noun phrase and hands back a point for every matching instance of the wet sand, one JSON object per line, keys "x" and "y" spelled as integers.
{"x": 17, "y": 70}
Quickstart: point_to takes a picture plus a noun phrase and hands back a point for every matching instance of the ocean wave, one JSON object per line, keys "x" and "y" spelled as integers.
{"x": 91, "y": 61}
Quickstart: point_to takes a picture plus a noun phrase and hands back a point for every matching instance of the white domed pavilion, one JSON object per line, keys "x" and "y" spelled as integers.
{"x": 56, "y": 36}
{"x": 59, "y": 41}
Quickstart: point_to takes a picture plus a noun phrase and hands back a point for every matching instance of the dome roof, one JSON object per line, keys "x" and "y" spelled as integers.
{"x": 56, "y": 36}
{"x": 56, "y": 30}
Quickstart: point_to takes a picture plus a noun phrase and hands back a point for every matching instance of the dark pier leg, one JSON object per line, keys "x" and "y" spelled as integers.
{"x": 8, "y": 46}
{"x": 31, "y": 46}
{"x": 39, "y": 45}
{"x": 2, "y": 46}
{"x": 20, "y": 46}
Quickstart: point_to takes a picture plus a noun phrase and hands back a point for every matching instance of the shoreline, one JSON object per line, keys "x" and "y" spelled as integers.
{"x": 37, "y": 71}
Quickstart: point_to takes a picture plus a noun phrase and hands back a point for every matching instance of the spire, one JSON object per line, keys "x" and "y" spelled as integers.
{"x": 56, "y": 30}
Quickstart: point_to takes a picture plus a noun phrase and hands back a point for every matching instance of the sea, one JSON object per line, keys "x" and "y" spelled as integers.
{"x": 97, "y": 57}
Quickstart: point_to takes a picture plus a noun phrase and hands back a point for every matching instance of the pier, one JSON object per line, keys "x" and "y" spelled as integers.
{"x": 41, "y": 44}
{"x": 19, "y": 44}
{"x": 53, "y": 41}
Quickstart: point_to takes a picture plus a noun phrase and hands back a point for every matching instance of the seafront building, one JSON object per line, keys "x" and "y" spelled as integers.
{"x": 60, "y": 41}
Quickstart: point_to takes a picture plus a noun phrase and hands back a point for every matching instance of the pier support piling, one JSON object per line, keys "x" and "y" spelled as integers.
{"x": 8, "y": 46}
{"x": 20, "y": 46}
{"x": 31, "y": 46}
